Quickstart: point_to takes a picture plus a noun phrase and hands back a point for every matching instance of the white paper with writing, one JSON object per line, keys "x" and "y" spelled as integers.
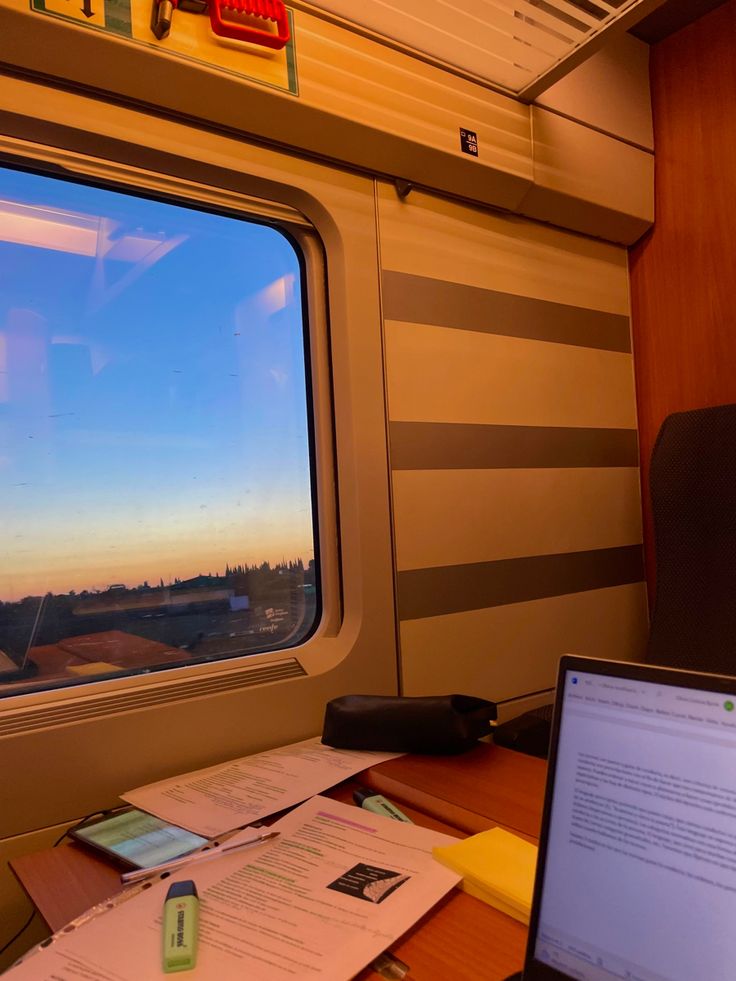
{"x": 230, "y": 795}
{"x": 337, "y": 887}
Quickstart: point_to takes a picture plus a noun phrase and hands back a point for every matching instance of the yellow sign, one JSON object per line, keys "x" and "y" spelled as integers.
{"x": 190, "y": 38}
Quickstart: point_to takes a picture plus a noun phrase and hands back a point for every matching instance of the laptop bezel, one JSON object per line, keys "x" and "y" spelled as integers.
{"x": 535, "y": 970}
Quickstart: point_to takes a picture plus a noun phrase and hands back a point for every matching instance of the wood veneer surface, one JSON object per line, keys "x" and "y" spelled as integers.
{"x": 485, "y": 787}
{"x": 683, "y": 272}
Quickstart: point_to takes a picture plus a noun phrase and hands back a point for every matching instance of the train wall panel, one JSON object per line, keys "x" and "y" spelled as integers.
{"x": 513, "y": 442}
{"x": 354, "y": 101}
{"x": 501, "y": 651}
{"x": 451, "y": 517}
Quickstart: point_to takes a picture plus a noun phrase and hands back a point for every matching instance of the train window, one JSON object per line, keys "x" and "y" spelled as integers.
{"x": 156, "y": 470}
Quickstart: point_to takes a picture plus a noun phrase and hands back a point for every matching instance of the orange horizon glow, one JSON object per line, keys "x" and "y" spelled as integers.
{"x": 99, "y": 577}
{"x": 49, "y": 559}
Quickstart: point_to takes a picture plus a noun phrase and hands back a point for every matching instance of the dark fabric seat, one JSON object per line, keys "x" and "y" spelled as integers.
{"x": 693, "y": 490}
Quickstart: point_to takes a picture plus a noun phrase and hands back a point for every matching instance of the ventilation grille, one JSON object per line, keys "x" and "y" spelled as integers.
{"x": 513, "y": 44}
{"x": 48, "y": 717}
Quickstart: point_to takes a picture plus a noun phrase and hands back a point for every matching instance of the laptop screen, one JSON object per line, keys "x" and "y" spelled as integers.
{"x": 637, "y": 876}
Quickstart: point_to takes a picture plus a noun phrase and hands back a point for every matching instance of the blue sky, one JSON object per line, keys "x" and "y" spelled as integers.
{"x": 152, "y": 407}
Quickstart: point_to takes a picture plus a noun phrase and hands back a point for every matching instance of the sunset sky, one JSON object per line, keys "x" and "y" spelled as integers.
{"x": 152, "y": 391}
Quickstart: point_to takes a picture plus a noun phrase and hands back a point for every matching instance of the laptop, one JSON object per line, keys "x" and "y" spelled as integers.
{"x": 636, "y": 879}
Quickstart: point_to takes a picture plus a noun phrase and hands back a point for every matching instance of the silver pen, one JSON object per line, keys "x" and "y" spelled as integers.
{"x": 138, "y": 875}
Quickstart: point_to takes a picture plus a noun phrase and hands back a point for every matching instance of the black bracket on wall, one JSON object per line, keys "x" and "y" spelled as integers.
{"x": 403, "y": 188}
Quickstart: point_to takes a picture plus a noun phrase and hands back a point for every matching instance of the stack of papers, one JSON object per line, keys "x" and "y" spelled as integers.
{"x": 239, "y": 792}
{"x": 320, "y": 901}
{"x": 497, "y": 867}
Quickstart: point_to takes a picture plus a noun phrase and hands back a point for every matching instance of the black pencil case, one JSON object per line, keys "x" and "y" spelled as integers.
{"x": 433, "y": 724}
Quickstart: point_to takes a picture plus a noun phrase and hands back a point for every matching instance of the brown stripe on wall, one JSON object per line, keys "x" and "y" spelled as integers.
{"x": 422, "y": 300}
{"x": 468, "y": 446}
{"x": 479, "y": 585}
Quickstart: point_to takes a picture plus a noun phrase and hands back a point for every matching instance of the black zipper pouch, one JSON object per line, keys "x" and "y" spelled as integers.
{"x": 435, "y": 724}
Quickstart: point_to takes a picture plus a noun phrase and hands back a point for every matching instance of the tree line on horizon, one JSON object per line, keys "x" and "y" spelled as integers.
{"x": 239, "y": 570}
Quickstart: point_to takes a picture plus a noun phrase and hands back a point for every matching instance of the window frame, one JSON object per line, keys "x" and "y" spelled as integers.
{"x": 310, "y": 257}
{"x": 227, "y": 709}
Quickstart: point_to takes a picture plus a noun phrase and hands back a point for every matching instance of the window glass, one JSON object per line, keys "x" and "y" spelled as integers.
{"x": 156, "y": 503}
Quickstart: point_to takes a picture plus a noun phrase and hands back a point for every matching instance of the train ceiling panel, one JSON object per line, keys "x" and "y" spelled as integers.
{"x": 519, "y": 46}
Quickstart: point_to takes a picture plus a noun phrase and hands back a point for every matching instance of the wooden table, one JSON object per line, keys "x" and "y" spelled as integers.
{"x": 483, "y": 788}
{"x": 461, "y": 938}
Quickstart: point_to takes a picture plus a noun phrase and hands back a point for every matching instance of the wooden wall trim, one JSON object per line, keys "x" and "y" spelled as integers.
{"x": 683, "y": 271}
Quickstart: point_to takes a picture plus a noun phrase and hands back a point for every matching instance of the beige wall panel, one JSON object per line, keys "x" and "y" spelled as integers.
{"x": 358, "y": 79}
{"x": 433, "y": 237}
{"x": 508, "y": 650}
{"x": 440, "y": 375}
{"x": 334, "y": 116}
{"x": 450, "y": 517}
{"x": 366, "y": 105}
{"x": 586, "y": 180}
{"x": 609, "y": 91}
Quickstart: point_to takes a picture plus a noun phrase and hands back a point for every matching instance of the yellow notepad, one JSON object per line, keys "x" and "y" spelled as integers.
{"x": 497, "y": 867}
{"x": 495, "y": 901}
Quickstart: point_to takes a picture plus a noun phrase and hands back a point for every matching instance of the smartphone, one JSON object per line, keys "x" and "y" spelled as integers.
{"x": 135, "y": 839}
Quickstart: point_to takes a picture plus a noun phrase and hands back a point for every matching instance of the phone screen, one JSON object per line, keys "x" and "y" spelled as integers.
{"x": 138, "y": 839}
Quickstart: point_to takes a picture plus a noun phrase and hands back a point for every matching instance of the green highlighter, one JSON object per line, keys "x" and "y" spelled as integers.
{"x": 181, "y": 927}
